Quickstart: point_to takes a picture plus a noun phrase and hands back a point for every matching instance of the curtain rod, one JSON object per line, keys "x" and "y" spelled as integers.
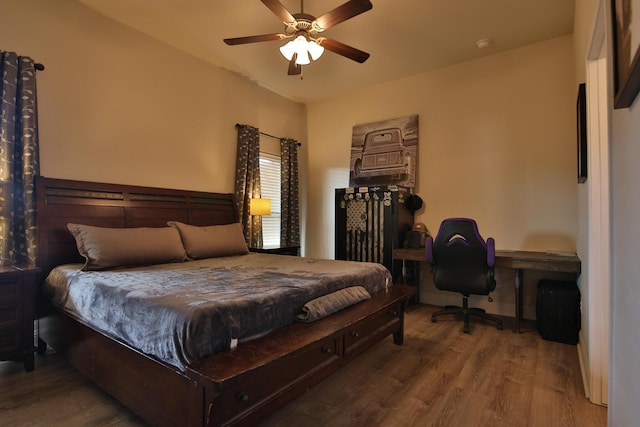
{"x": 38, "y": 66}
{"x": 266, "y": 134}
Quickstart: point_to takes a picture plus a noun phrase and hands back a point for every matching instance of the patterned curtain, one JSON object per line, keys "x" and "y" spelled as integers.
{"x": 248, "y": 182}
{"x": 290, "y": 210}
{"x": 19, "y": 163}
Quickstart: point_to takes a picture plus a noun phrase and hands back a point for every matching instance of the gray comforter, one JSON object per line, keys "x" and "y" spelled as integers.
{"x": 180, "y": 313}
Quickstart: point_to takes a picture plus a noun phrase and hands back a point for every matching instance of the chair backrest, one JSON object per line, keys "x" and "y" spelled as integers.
{"x": 462, "y": 260}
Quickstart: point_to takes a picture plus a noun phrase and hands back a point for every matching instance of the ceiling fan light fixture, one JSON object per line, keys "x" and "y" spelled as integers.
{"x": 315, "y": 50}
{"x": 303, "y": 48}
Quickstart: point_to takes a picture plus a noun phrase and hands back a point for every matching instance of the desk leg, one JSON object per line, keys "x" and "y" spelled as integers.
{"x": 519, "y": 299}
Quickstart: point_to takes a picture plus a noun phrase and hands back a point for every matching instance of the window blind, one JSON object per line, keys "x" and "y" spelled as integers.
{"x": 270, "y": 189}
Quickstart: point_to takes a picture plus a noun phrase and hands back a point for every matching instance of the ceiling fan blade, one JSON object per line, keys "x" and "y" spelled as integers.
{"x": 280, "y": 11}
{"x": 343, "y": 49}
{"x": 342, "y": 13}
{"x": 294, "y": 69}
{"x": 255, "y": 39}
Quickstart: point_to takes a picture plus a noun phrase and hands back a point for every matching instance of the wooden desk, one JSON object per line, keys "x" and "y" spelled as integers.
{"x": 518, "y": 260}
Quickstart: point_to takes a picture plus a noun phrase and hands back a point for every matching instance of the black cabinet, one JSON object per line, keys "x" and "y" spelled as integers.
{"x": 370, "y": 223}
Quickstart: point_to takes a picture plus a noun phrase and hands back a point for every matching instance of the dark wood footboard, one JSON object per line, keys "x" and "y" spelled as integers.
{"x": 247, "y": 384}
{"x": 238, "y": 387}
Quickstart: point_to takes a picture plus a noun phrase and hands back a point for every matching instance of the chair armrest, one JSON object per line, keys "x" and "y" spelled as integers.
{"x": 429, "y": 249}
{"x": 491, "y": 252}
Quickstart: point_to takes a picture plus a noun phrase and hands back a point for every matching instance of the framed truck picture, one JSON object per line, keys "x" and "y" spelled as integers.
{"x": 385, "y": 153}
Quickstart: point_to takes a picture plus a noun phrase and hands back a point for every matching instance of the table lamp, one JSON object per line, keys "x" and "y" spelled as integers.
{"x": 259, "y": 207}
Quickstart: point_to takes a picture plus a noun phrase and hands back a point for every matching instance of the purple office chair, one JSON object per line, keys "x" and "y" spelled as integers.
{"x": 461, "y": 261}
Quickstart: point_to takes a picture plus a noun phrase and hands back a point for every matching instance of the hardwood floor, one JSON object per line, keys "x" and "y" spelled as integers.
{"x": 439, "y": 377}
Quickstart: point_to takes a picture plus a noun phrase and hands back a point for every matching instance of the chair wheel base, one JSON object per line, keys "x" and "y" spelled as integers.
{"x": 466, "y": 312}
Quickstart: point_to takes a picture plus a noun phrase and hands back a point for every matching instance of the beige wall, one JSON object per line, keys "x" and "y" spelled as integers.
{"x": 497, "y": 143}
{"x": 116, "y": 105}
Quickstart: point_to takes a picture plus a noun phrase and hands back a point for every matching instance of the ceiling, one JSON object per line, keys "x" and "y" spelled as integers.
{"x": 404, "y": 37}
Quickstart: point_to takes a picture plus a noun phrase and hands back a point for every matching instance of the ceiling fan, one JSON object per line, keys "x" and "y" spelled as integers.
{"x": 304, "y": 29}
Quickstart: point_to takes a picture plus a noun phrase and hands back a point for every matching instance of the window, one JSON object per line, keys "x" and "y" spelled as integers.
{"x": 270, "y": 187}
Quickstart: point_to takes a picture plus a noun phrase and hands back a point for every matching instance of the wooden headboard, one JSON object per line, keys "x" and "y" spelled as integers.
{"x": 61, "y": 201}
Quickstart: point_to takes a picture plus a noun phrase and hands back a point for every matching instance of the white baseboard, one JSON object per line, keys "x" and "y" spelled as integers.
{"x": 584, "y": 364}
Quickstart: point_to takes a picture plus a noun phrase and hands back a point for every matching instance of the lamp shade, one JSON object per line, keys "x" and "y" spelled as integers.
{"x": 315, "y": 50}
{"x": 288, "y": 50}
{"x": 259, "y": 207}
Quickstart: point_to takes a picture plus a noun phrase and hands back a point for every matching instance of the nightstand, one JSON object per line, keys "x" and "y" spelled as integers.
{"x": 17, "y": 313}
{"x": 278, "y": 250}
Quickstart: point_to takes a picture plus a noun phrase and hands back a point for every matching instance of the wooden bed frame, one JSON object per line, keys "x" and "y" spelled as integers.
{"x": 238, "y": 387}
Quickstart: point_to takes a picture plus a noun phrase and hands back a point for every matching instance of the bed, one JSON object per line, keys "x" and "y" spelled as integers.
{"x": 236, "y": 381}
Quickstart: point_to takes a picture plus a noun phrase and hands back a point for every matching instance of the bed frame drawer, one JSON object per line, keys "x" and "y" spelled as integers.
{"x": 362, "y": 331}
{"x": 257, "y": 387}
